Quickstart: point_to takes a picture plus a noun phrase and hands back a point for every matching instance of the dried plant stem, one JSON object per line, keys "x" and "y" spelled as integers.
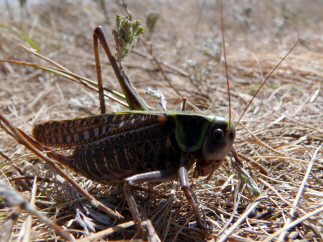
{"x": 28, "y": 220}
{"x": 285, "y": 158}
{"x": 28, "y": 178}
{"x": 284, "y": 200}
{"x": 259, "y": 142}
{"x": 8, "y": 224}
{"x": 4, "y": 156}
{"x": 299, "y": 194}
{"x": 233, "y": 214}
{"x": 33, "y": 51}
{"x": 16, "y": 199}
{"x": 297, "y": 221}
{"x": 165, "y": 76}
{"x": 153, "y": 237}
{"x": 106, "y": 232}
{"x": 169, "y": 66}
{"x": 241, "y": 219}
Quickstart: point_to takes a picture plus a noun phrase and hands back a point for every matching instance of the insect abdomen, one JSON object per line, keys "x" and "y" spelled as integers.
{"x": 111, "y": 165}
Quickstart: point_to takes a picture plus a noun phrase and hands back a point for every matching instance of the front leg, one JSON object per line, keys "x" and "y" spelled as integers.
{"x": 154, "y": 176}
{"x": 186, "y": 161}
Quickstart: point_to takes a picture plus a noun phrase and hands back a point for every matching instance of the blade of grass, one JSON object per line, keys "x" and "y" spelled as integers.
{"x": 74, "y": 77}
{"x": 22, "y": 34}
{"x": 65, "y": 70}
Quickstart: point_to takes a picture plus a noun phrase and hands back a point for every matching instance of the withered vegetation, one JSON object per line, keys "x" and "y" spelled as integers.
{"x": 277, "y": 139}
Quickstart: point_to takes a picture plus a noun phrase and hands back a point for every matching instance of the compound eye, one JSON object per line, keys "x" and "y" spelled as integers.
{"x": 218, "y": 135}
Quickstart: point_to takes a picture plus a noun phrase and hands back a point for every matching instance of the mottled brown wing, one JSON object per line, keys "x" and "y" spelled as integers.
{"x": 74, "y": 132}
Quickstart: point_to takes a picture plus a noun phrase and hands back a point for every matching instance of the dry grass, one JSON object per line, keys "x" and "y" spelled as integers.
{"x": 280, "y": 133}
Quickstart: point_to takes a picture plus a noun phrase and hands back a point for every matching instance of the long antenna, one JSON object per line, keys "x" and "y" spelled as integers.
{"x": 272, "y": 70}
{"x": 225, "y": 62}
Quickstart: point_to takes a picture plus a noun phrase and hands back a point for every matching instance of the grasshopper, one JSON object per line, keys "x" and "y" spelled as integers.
{"x": 140, "y": 145}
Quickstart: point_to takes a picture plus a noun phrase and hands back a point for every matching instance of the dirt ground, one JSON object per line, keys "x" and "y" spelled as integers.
{"x": 277, "y": 139}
